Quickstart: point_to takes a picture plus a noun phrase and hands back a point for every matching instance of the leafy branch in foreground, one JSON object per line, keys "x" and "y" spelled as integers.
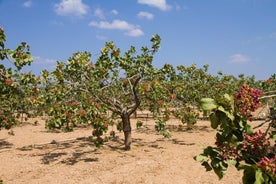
{"x": 236, "y": 142}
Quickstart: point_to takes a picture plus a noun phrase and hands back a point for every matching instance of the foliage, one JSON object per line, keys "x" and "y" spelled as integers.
{"x": 68, "y": 96}
{"x": 107, "y": 91}
{"x": 177, "y": 90}
{"x": 247, "y": 100}
{"x": 187, "y": 114}
{"x": 80, "y": 91}
{"x": 269, "y": 84}
{"x": 160, "y": 126}
{"x": 18, "y": 89}
{"x": 236, "y": 143}
{"x": 139, "y": 124}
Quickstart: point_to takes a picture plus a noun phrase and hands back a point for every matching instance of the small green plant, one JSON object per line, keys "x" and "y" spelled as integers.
{"x": 120, "y": 126}
{"x": 139, "y": 124}
{"x": 187, "y": 115}
{"x": 160, "y": 126}
{"x": 36, "y": 123}
{"x": 11, "y": 132}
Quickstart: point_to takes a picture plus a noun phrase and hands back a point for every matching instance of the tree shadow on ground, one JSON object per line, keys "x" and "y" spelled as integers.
{"x": 180, "y": 142}
{"x": 83, "y": 149}
{"x": 192, "y": 129}
{"x": 5, "y": 144}
{"x": 65, "y": 152}
{"x": 175, "y": 129}
{"x": 80, "y": 149}
{"x": 149, "y": 129}
{"x": 152, "y": 144}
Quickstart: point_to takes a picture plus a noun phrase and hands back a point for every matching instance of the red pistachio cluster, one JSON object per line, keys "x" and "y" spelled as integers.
{"x": 269, "y": 165}
{"x": 247, "y": 100}
{"x": 227, "y": 151}
{"x": 256, "y": 144}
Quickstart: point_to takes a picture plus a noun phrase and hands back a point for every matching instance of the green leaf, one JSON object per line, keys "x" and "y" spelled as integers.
{"x": 204, "y": 161}
{"x": 274, "y": 137}
{"x": 215, "y": 121}
{"x": 219, "y": 172}
{"x": 201, "y": 158}
{"x": 215, "y": 162}
{"x": 248, "y": 173}
{"x": 223, "y": 165}
{"x": 211, "y": 151}
{"x": 207, "y": 166}
{"x": 227, "y": 113}
{"x": 229, "y": 100}
{"x": 234, "y": 138}
{"x": 207, "y": 104}
{"x": 249, "y": 129}
{"x": 232, "y": 162}
{"x": 259, "y": 177}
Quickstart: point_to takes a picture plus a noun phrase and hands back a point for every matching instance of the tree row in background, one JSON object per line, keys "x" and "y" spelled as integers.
{"x": 81, "y": 91}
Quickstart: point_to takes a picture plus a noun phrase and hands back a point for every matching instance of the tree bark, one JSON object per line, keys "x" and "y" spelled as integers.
{"x": 127, "y": 130}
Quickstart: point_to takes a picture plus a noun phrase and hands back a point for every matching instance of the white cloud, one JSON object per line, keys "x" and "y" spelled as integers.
{"x": 40, "y": 60}
{"x": 146, "y": 15}
{"x": 134, "y": 32}
{"x": 114, "y": 12}
{"x": 27, "y": 4}
{"x": 160, "y": 4}
{"x": 131, "y": 30}
{"x": 239, "y": 58}
{"x": 71, "y": 7}
{"x": 99, "y": 13}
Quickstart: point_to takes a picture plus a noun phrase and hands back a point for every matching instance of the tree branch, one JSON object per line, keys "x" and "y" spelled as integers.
{"x": 132, "y": 108}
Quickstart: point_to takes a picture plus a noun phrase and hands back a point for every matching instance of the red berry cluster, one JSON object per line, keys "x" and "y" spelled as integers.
{"x": 256, "y": 144}
{"x": 227, "y": 151}
{"x": 247, "y": 100}
{"x": 268, "y": 165}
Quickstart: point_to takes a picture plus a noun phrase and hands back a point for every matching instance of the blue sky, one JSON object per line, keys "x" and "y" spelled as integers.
{"x": 232, "y": 36}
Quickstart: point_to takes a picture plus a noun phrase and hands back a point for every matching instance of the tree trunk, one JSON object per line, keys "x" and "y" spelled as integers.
{"x": 127, "y": 130}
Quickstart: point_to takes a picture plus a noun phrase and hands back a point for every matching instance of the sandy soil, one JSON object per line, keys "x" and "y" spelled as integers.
{"x": 34, "y": 155}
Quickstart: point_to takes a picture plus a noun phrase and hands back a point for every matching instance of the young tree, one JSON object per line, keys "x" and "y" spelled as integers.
{"x": 111, "y": 83}
{"x": 121, "y": 79}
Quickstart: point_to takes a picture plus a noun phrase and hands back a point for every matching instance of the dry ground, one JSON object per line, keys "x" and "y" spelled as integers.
{"x": 37, "y": 156}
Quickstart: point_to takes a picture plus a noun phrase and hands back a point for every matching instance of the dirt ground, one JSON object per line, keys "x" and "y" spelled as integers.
{"x": 37, "y": 156}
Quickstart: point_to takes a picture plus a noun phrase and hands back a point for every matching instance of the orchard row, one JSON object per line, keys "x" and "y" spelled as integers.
{"x": 111, "y": 89}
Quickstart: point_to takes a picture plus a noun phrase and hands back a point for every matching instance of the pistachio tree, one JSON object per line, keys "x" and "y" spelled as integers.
{"x": 17, "y": 88}
{"x": 82, "y": 91}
